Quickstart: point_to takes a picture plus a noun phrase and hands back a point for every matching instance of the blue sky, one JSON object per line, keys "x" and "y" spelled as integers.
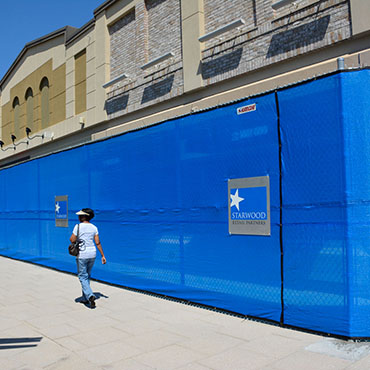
{"x": 22, "y": 21}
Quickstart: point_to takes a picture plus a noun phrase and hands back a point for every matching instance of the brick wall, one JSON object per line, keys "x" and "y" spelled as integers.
{"x": 123, "y": 46}
{"x": 149, "y": 31}
{"x": 153, "y": 28}
{"x": 164, "y": 27}
{"x": 218, "y": 13}
{"x": 277, "y": 37}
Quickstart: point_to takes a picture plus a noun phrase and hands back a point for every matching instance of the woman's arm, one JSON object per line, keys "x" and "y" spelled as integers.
{"x": 73, "y": 238}
{"x": 98, "y": 245}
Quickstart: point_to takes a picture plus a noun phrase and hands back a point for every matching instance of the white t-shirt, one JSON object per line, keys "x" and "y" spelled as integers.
{"x": 86, "y": 236}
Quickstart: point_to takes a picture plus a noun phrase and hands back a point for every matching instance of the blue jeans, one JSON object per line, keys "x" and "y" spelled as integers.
{"x": 84, "y": 267}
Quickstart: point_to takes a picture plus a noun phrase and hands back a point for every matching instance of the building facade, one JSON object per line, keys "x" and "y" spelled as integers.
{"x": 140, "y": 62}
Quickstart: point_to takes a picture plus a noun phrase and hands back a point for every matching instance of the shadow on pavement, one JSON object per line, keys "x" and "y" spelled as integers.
{"x": 98, "y": 295}
{"x": 18, "y": 342}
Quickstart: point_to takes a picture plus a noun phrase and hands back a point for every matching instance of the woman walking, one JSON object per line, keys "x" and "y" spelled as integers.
{"x": 88, "y": 236}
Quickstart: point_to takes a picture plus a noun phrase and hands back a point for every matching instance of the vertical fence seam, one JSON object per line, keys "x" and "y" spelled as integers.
{"x": 281, "y": 209}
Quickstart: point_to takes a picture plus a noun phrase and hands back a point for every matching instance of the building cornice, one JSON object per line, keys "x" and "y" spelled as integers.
{"x": 86, "y": 27}
{"x": 103, "y": 6}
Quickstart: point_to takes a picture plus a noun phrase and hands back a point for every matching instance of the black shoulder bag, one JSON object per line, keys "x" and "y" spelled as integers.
{"x": 74, "y": 248}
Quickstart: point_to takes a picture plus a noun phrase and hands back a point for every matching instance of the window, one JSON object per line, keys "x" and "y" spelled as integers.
{"x": 29, "y": 108}
{"x": 16, "y": 116}
{"x": 45, "y": 111}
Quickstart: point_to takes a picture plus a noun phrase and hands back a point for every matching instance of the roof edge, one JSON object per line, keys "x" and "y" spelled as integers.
{"x": 72, "y": 37}
{"x": 103, "y": 6}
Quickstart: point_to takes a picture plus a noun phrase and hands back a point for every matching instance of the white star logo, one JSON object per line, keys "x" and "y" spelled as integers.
{"x": 235, "y": 199}
{"x": 57, "y": 207}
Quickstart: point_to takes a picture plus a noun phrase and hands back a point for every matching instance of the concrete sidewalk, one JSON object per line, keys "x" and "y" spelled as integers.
{"x": 42, "y": 327}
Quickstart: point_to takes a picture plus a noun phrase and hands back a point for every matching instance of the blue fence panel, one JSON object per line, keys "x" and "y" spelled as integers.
{"x": 164, "y": 214}
{"x": 21, "y": 208}
{"x": 314, "y": 207}
{"x": 243, "y": 272}
{"x": 66, "y": 173}
{"x": 135, "y": 190}
{"x": 356, "y": 116}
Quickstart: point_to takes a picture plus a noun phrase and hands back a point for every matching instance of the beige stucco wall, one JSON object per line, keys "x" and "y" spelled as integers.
{"x": 58, "y": 95}
{"x": 80, "y": 82}
{"x": 56, "y": 61}
{"x": 360, "y": 14}
{"x": 6, "y": 127}
{"x": 102, "y": 55}
{"x": 34, "y": 58}
{"x": 192, "y": 24}
{"x": 57, "y": 88}
{"x": 85, "y": 41}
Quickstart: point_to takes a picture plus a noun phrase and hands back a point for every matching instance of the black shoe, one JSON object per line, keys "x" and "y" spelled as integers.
{"x": 92, "y": 302}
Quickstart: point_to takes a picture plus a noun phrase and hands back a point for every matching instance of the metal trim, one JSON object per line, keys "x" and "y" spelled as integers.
{"x": 115, "y": 80}
{"x": 221, "y": 30}
{"x": 157, "y": 60}
{"x": 281, "y": 3}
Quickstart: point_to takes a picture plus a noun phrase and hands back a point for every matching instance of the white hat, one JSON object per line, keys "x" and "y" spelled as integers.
{"x": 82, "y": 213}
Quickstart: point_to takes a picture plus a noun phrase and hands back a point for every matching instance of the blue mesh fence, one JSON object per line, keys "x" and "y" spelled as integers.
{"x": 161, "y": 201}
{"x": 314, "y": 213}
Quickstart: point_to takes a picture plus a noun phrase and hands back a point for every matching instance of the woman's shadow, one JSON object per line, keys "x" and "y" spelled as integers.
{"x": 81, "y": 300}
